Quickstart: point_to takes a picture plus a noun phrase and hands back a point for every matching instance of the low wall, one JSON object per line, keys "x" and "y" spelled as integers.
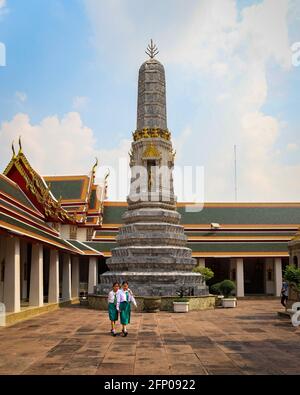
{"x": 99, "y": 302}
{"x": 30, "y": 312}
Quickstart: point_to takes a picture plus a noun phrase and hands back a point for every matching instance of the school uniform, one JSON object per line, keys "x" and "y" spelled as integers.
{"x": 124, "y": 300}
{"x": 112, "y": 306}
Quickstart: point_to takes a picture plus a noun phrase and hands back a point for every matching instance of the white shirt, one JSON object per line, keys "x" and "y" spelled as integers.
{"x": 121, "y": 297}
{"x": 111, "y": 296}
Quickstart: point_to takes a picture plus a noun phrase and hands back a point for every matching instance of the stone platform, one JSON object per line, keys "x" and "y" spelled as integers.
{"x": 99, "y": 302}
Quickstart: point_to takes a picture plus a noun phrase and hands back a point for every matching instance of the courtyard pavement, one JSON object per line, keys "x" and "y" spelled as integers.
{"x": 250, "y": 339}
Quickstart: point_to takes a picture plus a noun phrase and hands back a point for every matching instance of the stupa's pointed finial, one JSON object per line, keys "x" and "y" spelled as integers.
{"x": 152, "y": 50}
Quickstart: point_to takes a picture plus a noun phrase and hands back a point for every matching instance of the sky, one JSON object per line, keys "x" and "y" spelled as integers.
{"x": 69, "y": 88}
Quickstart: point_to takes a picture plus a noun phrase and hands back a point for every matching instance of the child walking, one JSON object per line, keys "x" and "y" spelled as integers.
{"x": 124, "y": 300}
{"x": 112, "y": 307}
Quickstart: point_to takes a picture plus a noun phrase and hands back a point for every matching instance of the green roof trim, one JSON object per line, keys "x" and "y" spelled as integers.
{"x": 104, "y": 246}
{"x": 228, "y": 234}
{"x": 25, "y": 214}
{"x": 242, "y": 215}
{"x": 82, "y": 246}
{"x": 113, "y": 214}
{"x": 32, "y": 229}
{"x": 15, "y": 192}
{"x": 239, "y": 247}
{"x": 101, "y": 246}
{"x": 92, "y": 203}
{"x": 222, "y": 215}
{"x": 67, "y": 189}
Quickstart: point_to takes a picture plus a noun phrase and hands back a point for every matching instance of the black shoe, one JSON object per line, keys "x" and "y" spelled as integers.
{"x": 113, "y": 333}
{"x": 125, "y": 333}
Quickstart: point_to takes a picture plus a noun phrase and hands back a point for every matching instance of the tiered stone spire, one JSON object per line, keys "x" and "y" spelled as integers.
{"x": 151, "y": 250}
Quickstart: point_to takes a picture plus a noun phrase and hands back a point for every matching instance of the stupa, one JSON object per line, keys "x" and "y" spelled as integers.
{"x": 151, "y": 252}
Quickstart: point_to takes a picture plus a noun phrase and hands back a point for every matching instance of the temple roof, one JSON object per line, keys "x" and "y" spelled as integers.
{"x": 70, "y": 189}
{"x": 228, "y": 215}
{"x": 78, "y": 195}
{"x": 83, "y": 247}
{"x": 19, "y": 216}
{"x": 34, "y": 187}
{"x": 246, "y": 229}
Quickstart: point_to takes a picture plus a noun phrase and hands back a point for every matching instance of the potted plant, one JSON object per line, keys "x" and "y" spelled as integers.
{"x": 206, "y": 272}
{"x": 215, "y": 290}
{"x": 181, "y": 304}
{"x": 226, "y": 288}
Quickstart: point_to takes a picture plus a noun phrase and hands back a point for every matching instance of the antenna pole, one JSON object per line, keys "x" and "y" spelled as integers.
{"x": 235, "y": 175}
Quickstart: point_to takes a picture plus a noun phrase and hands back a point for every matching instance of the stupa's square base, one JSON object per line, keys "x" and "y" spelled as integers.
{"x": 99, "y": 302}
{"x": 250, "y": 339}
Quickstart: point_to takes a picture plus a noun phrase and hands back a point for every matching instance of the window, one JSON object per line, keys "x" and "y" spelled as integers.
{"x": 73, "y": 232}
{"x": 89, "y": 234}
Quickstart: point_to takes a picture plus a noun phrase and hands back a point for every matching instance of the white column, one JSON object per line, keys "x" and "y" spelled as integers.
{"x": 75, "y": 277}
{"x": 278, "y": 275}
{"x": 36, "y": 295}
{"x": 66, "y": 285}
{"x": 12, "y": 291}
{"x": 53, "y": 293}
{"x": 240, "y": 278}
{"x": 24, "y": 270}
{"x": 201, "y": 262}
{"x": 92, "y": 274}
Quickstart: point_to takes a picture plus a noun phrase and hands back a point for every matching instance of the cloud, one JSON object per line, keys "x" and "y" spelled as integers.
{"x": 3, "y": 7}
{"x": 80, "y": 102}
{"x": 292, "y": 147}
{"x": 62, "y": 146}
{"x": 21, "y": 96}
{"x": 225, "y": 57}
{"x": 232, "y": 55}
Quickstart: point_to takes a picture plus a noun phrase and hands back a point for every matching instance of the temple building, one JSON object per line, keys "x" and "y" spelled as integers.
{"x": 44, "y": 223}
{"x": 60, "y": 235}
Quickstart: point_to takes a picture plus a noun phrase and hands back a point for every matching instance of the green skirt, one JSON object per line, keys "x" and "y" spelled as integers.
{"x": 125, "y": 310}
{"x": 112, "y": 312}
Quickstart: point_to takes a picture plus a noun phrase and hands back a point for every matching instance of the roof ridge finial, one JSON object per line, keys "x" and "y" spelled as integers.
{"x": 94, "y": 169}
{"x": 13, "y": 149}
{"x": 20, "y": 144}
{"x": 152, "y": 50}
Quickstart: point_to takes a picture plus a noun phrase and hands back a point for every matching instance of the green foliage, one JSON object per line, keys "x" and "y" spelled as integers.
{"x": 227, "y": 287}
{"x": 206, "y": 272}
{"x": 292, "y": 275}
{"x": 181, "y": 300}
{"x": 215, "y": 289}
{"x": 182, "y": 292}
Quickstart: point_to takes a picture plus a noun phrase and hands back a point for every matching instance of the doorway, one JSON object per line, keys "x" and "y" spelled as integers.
{"x": 254, "y": 276}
